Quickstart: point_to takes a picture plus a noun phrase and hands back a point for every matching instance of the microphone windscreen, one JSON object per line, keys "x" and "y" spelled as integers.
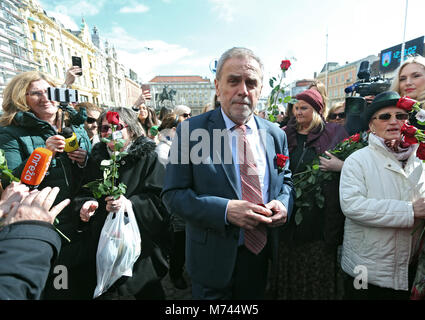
{"x": 36, "y": 167}
{"x": 67, "y": 132}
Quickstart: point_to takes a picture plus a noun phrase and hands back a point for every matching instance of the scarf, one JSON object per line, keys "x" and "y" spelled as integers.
{"x": 394, "y": 147}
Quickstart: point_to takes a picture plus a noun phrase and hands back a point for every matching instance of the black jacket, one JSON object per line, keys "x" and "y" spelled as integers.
{"x": 27, "y": 250}
{"x": 143, "y": 174}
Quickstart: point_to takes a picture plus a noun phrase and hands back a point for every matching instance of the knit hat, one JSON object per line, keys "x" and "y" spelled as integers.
{"x": 313, "y": 98}
{"x": 382, "y": 100}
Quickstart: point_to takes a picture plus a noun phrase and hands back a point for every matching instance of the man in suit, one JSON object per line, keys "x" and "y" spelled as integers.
{"x": 215, "y": 185}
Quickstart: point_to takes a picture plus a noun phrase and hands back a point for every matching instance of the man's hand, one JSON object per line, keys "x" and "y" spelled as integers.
{"x": 14, "y": 192}
{"x": 280, "y": 213}
{"x": 37, "y": 206}
{"x": 247, "y": 215}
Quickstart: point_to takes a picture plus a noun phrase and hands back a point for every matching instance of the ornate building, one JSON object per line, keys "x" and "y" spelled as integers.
{"x": 193, "y": 91}
{"x": 16, "y": 54}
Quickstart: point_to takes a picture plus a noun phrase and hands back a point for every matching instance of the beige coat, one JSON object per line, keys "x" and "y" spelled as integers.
{"x": 376, "y": 196}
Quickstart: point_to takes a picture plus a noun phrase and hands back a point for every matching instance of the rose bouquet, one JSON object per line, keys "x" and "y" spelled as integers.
{"x": 412, "y": 135}
{"x": 308, "y": 184}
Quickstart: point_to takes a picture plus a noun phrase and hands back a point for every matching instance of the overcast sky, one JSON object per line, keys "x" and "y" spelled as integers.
{"x": 187, "y": 35}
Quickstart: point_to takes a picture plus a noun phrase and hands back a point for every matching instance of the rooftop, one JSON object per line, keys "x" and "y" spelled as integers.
{"x": 179, "y": 79}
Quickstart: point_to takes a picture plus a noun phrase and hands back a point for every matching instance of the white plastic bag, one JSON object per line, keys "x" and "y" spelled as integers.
{"x": 118, "y": 249}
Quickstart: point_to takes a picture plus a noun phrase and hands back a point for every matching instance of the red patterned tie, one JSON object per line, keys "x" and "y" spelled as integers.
{"x": 255, "y": 239}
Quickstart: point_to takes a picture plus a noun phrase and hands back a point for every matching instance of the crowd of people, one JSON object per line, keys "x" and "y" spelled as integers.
{"x": 214, "y": 194}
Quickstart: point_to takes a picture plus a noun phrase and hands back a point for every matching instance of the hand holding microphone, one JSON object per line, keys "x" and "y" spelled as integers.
{"x": 56, "y": 143}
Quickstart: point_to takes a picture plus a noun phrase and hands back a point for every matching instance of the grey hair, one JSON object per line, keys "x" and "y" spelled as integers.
{"x": 239, "y": 53}
{"x": 129, "y": 117}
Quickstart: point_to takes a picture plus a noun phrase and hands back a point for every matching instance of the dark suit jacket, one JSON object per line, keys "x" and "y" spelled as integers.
{"x": 201, "y": 179}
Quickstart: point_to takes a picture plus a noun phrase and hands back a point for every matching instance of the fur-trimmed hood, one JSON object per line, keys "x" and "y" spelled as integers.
{"x": 140, "y": 147}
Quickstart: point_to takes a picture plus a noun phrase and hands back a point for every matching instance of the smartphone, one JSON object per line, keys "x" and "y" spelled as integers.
{"x": 76, "y": 61}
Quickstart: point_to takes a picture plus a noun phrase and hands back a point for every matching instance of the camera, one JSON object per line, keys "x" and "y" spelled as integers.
{"x": 356, "y": 104}
{"x": 62, "y": 95}
{"x": 367, "y": 86}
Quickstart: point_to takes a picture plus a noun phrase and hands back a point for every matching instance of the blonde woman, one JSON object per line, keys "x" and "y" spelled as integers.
{"x": 410, "y": 81}
{"x": 29, "y": 121}
{"x": 307, "y": 254}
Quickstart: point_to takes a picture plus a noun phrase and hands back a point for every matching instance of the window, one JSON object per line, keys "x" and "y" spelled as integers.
{"x": 42, "y": 36}
{"x": 48, "y": 70}
{"x": 56, "y": 71}
{"x": 52, "y": 44}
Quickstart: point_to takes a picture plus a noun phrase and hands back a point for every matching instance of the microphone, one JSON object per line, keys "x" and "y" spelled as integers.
{"x": 71, "y": 142}
{"x": 36, "y": 167}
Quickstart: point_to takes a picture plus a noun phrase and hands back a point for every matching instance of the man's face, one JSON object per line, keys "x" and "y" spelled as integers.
{"x": 239, "y": 88}
{"x": 90, "y": 125}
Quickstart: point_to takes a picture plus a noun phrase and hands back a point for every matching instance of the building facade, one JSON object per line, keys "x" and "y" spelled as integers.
{"x": 193, "y": 91}
{"x": 340, "y": 77}
{"x": 16, "y": 53}
{"x": 31, "y": 40}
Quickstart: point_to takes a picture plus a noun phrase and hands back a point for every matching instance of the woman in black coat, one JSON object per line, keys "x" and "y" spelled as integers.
{"x": 143, "y": 175}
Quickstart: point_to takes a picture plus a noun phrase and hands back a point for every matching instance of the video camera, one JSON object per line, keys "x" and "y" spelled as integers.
{"x": 355, "y": 105}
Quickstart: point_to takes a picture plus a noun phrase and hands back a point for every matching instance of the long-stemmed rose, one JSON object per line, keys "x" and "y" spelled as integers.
{"x": 273, "y": 109}
{"x": 106, "y": 186}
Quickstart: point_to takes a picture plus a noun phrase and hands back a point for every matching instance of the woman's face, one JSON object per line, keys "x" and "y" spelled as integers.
{"x": 412, "y": 80}
{"x": 337, "y": 116}
{"x": 106, "y": 132}
{"x": 37, "y": 101}
{"x": 143, "y": 113}
{"x": 389, "y": 129}
{"x": 303, "y": 112}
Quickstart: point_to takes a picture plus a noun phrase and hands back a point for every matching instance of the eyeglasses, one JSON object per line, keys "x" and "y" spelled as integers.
{"x": 38, "y": 94}
{"x": 388, "y": 116}
{"x": 105, "y": 128}
{"x": 340, "y": 115}
{"x": 186, "y": 115}
{"x": 91, "y": 120}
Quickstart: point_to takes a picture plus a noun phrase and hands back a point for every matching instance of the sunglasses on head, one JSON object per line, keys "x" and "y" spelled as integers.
{"x": 186, "y": 115}
{"x": 340, "y": 115}
{"x": 91, "y": 120}
{"x": 105, "y": 128}
{"x": 388, "y": 116}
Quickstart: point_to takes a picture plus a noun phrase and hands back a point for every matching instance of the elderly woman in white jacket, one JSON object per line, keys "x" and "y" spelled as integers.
{"x": 382, "y": 195}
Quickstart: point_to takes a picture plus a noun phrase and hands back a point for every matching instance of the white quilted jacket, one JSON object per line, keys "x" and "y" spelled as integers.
{"x": 376, "y": 196}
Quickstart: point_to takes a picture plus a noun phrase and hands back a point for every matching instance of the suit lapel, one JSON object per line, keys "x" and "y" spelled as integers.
{"x": 220, "y": 150}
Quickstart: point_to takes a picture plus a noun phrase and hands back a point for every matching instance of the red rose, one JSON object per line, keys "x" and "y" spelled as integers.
{"x": 406, "y": 103}
{"x": 410, "y": 140}
{"x": 113, "y": 118}
{"x": 281, "y": 160}
{"x": 408, "y": 130}
{"x": 285, "y": 64}
{"x": 420, "y": 153}
{"x": 355, "y": 138}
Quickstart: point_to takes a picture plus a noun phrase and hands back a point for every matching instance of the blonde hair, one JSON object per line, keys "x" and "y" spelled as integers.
{"x": 395, "y": 86}
{"x": 335, "y": 107}
{"x": 315, "y": 122}
{"x": 14, "y": 95}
